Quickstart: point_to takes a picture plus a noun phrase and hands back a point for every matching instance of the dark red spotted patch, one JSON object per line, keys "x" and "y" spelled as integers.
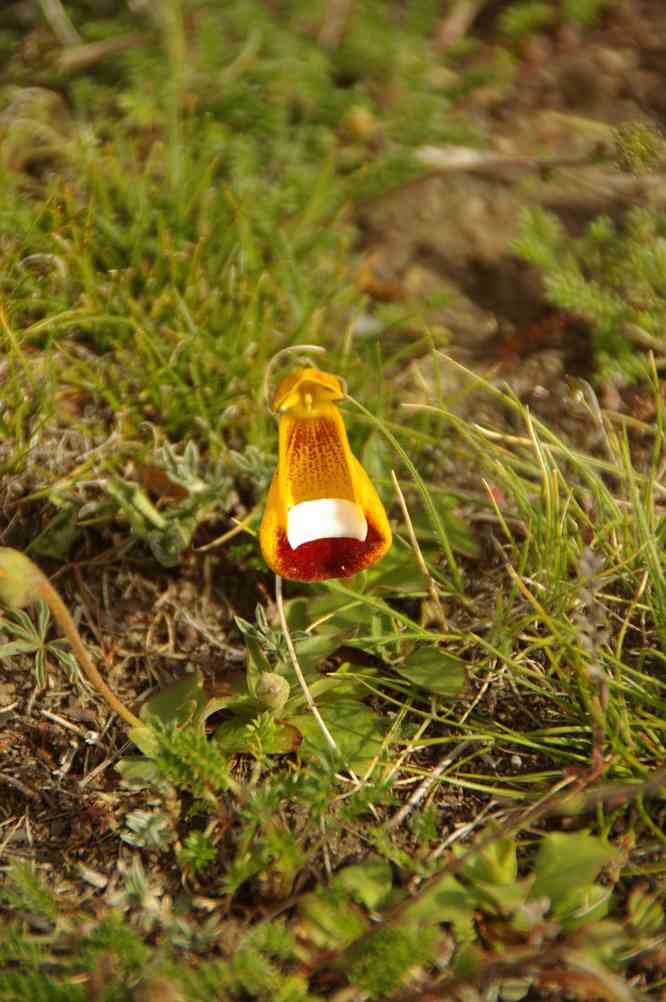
{"x": 327, "y": 558}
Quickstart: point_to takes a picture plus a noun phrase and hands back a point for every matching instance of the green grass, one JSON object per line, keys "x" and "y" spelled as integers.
{"x": 157, "y": 252}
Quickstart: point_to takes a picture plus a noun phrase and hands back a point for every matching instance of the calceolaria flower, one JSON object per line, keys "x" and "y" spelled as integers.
{"x": 323, "y": 517}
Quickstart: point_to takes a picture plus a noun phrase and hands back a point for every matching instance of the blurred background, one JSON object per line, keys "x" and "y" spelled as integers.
{"x": 429, "y": 158}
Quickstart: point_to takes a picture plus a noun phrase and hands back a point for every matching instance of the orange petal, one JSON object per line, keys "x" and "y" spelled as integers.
{"x": 315, "y": 460}
{"x": 303, "y": 384}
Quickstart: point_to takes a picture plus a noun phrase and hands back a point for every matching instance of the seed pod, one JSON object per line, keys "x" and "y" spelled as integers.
{"x": 272, "y": 692}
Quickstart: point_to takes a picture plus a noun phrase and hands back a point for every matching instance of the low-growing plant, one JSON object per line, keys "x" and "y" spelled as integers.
{"x": 521, "y": 19}
{"x": 481, "y": 919}
{"x": 611, "y": 277}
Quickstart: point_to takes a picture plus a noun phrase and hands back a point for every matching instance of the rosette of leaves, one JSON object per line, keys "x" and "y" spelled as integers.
{"x": 266, "y": 714}
{"x": 168, "y": 531}
{"x": 30, "y": 636}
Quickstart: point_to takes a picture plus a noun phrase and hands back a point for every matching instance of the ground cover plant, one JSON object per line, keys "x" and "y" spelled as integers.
{"x": 488, "y": 820}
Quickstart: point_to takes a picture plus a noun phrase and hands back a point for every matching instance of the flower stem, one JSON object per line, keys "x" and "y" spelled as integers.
{"x": 312, "y": 706}
{"x": 45, "y": 590}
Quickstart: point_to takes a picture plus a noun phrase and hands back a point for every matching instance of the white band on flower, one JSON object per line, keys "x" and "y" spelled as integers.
{"x": 326, "y": 518}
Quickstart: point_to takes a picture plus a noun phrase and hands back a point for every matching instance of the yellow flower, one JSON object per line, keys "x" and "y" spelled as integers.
{"x": 323, "y": 517}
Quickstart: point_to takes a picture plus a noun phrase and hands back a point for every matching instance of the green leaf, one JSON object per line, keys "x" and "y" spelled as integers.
{"x": 347, "y": 613}
{"x": 447, "y": 900}
{"x": 312, "y": 650}
{"x": 25, "y": 890}
{"x": 504, "y": 899}
{"x": 166, "y": 537}
{"x": 134, "y": 502}
{"x": 228, "y": 702}
{"x": 43, "y": 618}
{"x": 257, "y": 663}
{"x": 609, "y": 944}
{"x": 459, "y": 530}
{"x": 66, "y": 659}
{"x": 380, "y": 963}
{"x": 140, "y": 772}
{"x": 297, "y": 611}
{"x": 181, "y": 701}
{"x": 468, "y": 961}
{"x": 435, "y": 670}
{"x": 337, "y": 685}
{"x": 526, "y": 18}
{"x": 57, "y": 536}
{"x": 583, "y": 905}
{"x": 496, "y": 863}
{"x": 644, "y": 910}
{"x": 355, "y": 727}
{"x": 397, "y": 572}
{"x": 20, "y": 625}
{"x": 18, "y": 647}
{"x": 168, "y": 545}
{"x": 235, "y": 737}
{"x": 145, "y": 740}
{"x": 329, "y": 920}
{"x": 568, "y": 863}
{"x": 368, "y": 883}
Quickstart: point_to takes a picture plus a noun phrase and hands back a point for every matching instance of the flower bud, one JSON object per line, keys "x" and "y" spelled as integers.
{"x": 272, "y": 692}
{"x": 18, "y": 579}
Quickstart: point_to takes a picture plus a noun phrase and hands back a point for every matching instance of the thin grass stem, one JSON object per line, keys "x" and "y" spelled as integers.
{"x": 312, "y": 706}
{"x": 432, "y": 589}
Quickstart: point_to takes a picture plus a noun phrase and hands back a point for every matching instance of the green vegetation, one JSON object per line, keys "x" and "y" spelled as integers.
{"x": 613, "y": 277}
{"x": 524, "y": 17}
{"x": 493, "y": 824}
